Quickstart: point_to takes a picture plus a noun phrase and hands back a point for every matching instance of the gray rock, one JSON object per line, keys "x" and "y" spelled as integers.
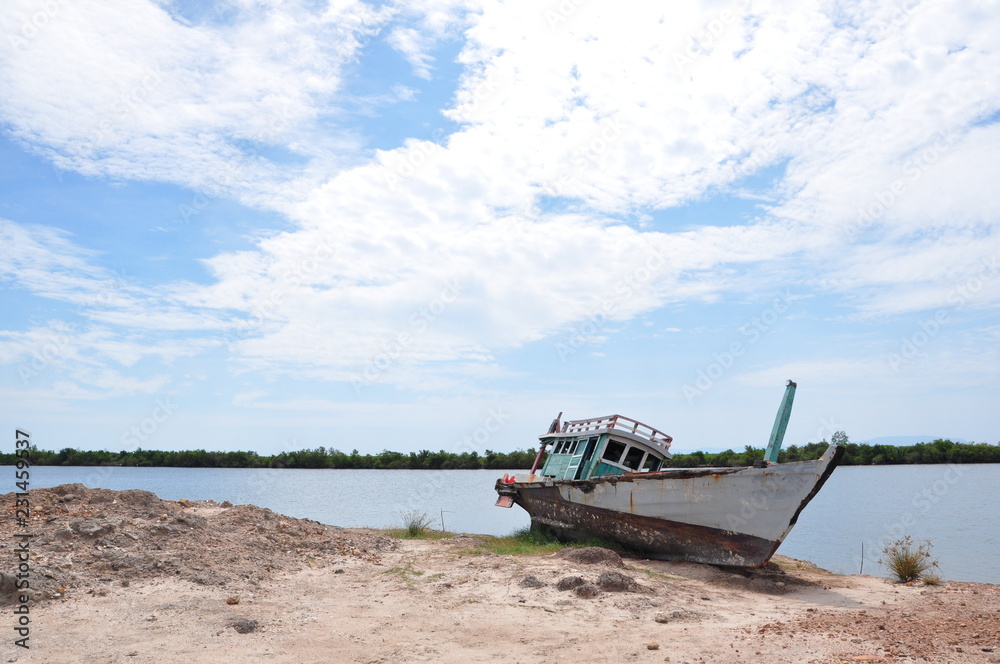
{"x": 570, "y": 582}
{"x": 245, "y": 625}
{"x": 76, "y": 490}
{"x": 92, "y": 528}
{"x": 191, "y": 520}
{"x": 531, "y": 582}
{"x": 587, "y": 591}
{"x": 138, "y": 497}
{"x": 671, "y": 615}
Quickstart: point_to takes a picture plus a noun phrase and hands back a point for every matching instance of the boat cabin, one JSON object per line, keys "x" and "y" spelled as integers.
{"x": 612, "y": 445}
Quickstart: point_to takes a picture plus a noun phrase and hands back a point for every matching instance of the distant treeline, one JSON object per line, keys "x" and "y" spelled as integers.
{"x": 858, "y": 454}
{"x": 317, "y": 458}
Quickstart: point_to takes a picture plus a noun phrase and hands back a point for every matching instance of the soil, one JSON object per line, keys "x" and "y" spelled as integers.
{"x": 124, "y": 577}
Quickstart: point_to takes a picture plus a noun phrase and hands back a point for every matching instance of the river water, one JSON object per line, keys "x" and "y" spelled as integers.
{"x": 956, "y": 507}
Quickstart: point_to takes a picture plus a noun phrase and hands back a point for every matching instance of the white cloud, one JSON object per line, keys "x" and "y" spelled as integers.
{"x": 573, "y": 127}
{"x": 429, "y": 23}
{"x": 47, "y": 262}
{"x": 413, "y": 45}
{"x": 126, "y": 90}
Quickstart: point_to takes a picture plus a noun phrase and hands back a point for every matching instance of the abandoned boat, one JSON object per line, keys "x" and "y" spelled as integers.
{"x": 603, "y": 478}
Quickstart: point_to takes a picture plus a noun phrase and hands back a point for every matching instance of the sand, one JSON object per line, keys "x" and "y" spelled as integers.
{"x": 125, "y": 577}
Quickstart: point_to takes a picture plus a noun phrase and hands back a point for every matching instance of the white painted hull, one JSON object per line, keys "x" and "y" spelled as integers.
{"x": 730, "y": 516}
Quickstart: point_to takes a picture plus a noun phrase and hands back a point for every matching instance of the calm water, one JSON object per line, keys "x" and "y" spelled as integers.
{"x": 956, "y": 507}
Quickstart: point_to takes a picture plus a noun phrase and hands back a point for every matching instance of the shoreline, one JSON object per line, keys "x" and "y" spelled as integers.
{"x": 126, "y": 577}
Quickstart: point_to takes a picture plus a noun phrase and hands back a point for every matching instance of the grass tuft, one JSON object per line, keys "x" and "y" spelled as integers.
{"x": 907, "y": 561}
{"x": 415, "y": 524}
{"x": 407, "y": 572}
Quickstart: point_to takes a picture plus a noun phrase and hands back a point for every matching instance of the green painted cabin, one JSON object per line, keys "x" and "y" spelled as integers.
{"x": 611, "y": 445}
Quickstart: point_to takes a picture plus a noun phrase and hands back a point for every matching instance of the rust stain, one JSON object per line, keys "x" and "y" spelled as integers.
{"x": 631, "y": 503}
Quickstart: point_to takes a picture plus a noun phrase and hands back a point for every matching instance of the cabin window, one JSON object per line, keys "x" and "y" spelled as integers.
{"x": 652, "y": 464}
{"x": 633, "y": 458}
{"x": 571, "y": 447}
{"x": 613, "y": 451}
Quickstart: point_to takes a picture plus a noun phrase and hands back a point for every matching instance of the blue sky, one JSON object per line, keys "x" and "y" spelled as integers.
{"x": 436, "y": 224}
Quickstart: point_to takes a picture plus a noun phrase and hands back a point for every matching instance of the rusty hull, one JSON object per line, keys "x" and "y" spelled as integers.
{"x": 659, "y": 537}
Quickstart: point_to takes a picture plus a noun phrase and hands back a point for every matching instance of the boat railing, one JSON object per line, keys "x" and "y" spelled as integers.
{"x": 620, "y": 423}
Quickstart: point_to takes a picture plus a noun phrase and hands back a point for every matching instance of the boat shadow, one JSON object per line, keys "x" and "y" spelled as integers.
{"x": 783, "y": 576}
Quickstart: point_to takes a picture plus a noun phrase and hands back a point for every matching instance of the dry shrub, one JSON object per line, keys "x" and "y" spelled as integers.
{"x": 415, "y": 523}
{"x": 907, "y": 561}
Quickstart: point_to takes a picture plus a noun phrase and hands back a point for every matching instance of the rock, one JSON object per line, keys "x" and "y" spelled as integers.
{"x": 245, "y": 625}
{"x": 616, "y": 582}
{"x": 76, "y": 490}
{"x": 671, "y": 615}
{"x": 592, "y": 555}
{"x": 8, "y": 583}
{"x": 138, "y": 497}
{"x": 652, "y": 645}
{"x": 531, "y": 582}
{"x": 587, "y": 590}
{"x": 191, "y": 520}
{"x": 92, "y": 528}
{"x": 570, "y": 582}
{"x": 184, "y": 502}
{"x": 203, "y": 578}
{"x": 225, "y": 503}
{"x": 235, "y": 599}
{"x": 164, "y": 530}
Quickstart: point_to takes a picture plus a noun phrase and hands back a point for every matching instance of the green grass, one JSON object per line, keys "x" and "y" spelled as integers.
{"x": 406, "y": 571}
{"x": 907, "y": 561}
{"x": 400, "y": 533}
{"x": 532, "y": 542}
{"x": 416, "y": 525}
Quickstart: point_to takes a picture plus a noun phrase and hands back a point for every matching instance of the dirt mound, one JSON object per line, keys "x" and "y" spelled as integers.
{"x": 616, "y": 582}
{"x": 592, "y": 555}
{"x": 84, "y": 539}
{"x": 611, "y": 581}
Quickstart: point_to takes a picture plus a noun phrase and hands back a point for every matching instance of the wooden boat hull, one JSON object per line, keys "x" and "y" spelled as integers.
{"x": 720, "y": 516}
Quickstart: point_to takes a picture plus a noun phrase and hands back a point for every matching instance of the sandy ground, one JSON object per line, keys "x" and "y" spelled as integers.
{"x": 124, "y": 577}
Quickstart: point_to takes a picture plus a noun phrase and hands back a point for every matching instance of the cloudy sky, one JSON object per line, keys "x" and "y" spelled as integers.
{"x": 282, "y": 224}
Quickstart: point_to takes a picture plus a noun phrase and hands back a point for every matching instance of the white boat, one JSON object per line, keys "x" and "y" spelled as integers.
{"x": 604, "y": 478}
